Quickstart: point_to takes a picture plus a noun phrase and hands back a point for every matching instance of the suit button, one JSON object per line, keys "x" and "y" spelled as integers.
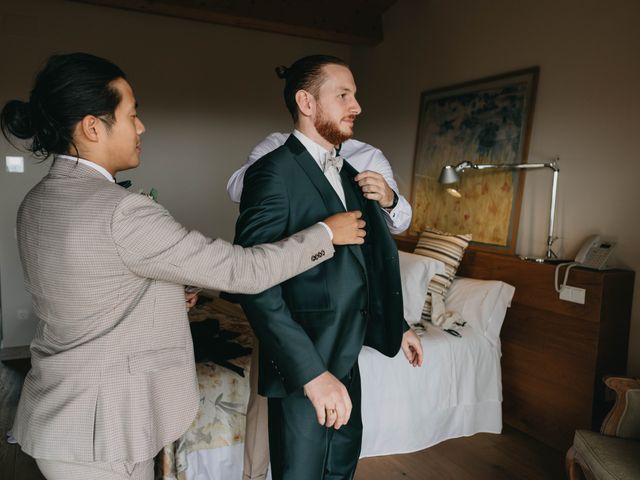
{"x": 364, "y": 312}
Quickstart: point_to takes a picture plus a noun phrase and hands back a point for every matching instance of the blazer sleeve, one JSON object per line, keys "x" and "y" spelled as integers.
{"x": 264, "y": 212}
{"x": 153, "y": 245}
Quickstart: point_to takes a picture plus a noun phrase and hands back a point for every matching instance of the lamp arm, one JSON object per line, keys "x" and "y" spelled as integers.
{"x": 552, "y": 214}
{"x": 506, "y": 166}
{"x": 553, "y": 165}
{"x": 462, "y": 166}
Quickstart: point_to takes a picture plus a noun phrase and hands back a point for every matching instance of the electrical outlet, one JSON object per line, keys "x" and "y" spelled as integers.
{"x": 14, "y": 164}
{"x": 572, "y": 294}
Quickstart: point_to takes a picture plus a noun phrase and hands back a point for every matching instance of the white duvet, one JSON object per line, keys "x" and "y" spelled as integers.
{"x": 457, "y": 392}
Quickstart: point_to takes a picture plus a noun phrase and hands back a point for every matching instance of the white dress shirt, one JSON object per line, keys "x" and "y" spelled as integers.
{"x": 320, "y": 154}
{"x": 89, "y": 163}
{"x": 360, "y": 155}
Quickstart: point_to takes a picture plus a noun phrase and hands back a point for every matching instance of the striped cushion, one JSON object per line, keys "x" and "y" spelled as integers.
{"x": 448, "y": 248}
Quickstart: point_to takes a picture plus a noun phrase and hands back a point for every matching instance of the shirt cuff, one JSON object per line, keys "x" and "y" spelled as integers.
{"x": 328, "y": 230}
{"x": 393, "y": 213}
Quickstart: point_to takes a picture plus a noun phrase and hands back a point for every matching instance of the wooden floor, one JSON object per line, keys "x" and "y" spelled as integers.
{"x": 484, "y": 456}
{"x": 511, "y": 455}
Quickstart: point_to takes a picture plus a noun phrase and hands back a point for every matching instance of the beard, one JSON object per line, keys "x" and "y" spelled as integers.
{"x": 329, "y": 130}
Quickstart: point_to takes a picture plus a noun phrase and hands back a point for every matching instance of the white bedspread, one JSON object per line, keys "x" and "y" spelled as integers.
{"x": 457, "y": 392}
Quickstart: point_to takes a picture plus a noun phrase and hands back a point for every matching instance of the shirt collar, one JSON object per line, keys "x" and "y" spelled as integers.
{"x": 316, "y": 151}
{"x": 89, "y": 163}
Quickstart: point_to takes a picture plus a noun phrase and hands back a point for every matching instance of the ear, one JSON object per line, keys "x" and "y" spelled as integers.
{"x": 90, "y": 128}
{"x": 306, "y": 103}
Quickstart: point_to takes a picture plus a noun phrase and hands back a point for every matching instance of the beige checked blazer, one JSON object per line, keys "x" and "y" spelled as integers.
{"x": 113, "y": 376}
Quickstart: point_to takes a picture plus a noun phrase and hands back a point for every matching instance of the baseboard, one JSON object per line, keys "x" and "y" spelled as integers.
{"x": 15, "y": 353}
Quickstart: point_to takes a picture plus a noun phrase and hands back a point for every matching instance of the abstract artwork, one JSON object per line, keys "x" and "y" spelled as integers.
{"x": 484, "y": 121}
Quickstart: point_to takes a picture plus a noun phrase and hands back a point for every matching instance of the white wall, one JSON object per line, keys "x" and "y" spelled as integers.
{"x": 207, "y": 94}
{"x": 587, "y": 109}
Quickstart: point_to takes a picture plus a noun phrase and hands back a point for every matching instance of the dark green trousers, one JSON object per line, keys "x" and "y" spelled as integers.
{"x": 302, "y": 449}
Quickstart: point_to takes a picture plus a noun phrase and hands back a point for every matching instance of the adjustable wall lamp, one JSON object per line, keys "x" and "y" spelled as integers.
{"x": 451, "y": 175}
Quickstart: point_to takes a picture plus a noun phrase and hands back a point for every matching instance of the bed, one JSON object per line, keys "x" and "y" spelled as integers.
{"x": 457, "y": 392}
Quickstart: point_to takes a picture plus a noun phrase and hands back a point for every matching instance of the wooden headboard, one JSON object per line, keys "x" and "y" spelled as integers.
{"x": 555, "y": 353}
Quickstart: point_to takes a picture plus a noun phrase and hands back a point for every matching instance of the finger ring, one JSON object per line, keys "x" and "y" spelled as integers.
{"x": 331, "y": 411}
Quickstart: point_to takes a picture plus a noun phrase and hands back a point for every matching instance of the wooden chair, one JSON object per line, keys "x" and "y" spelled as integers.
{"x": 614, "y": 453}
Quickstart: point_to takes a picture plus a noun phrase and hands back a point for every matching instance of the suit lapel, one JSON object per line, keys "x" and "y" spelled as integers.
{"x": 324, "y": 188}
{"x": 352, "y": 195}
{"x": 354, "y": 201}
{"x": 316, "y": 176}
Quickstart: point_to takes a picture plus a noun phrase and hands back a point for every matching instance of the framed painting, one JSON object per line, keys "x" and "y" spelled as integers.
{"x": 482, "y": 121}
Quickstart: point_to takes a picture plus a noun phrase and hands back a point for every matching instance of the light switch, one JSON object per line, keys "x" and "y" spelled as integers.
{"x": 14, "y": 164}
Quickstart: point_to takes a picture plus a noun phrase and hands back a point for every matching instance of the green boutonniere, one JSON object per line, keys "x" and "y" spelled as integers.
{"x": 153, "y": 193}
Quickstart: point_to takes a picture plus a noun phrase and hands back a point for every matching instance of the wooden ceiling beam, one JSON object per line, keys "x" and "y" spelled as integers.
{"x": 342, "y": 21}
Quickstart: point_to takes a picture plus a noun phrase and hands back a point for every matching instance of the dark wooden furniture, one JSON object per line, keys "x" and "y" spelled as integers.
{"x": 555, "y": 353}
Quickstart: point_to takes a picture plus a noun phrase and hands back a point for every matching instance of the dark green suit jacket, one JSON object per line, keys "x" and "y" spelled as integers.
{"x": 320, "y": 319}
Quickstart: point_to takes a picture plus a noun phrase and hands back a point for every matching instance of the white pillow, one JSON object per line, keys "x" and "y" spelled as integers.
{"x": 416, "y": 271}
{"x": 481, "y": 303}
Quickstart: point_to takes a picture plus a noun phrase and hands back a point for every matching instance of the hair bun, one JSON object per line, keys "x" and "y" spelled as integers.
{"x": 16, "y": 119}
{"x": 282, "y": 71}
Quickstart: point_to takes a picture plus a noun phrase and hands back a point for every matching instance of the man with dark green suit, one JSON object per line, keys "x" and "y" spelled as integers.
{"x": 312, "y": 327}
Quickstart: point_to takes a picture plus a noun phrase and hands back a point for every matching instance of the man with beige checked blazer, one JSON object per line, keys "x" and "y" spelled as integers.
{"x": 113, "y": 377}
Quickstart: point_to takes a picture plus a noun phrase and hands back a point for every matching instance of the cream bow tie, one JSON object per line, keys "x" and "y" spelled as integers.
{"x": 330, "y": 161}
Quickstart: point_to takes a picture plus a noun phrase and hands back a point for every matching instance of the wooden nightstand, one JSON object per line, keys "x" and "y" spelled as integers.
{"x": 555, "y": 353}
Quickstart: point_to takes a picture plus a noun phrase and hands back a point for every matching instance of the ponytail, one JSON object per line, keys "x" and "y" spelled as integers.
{"x": 15, "y": 119}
